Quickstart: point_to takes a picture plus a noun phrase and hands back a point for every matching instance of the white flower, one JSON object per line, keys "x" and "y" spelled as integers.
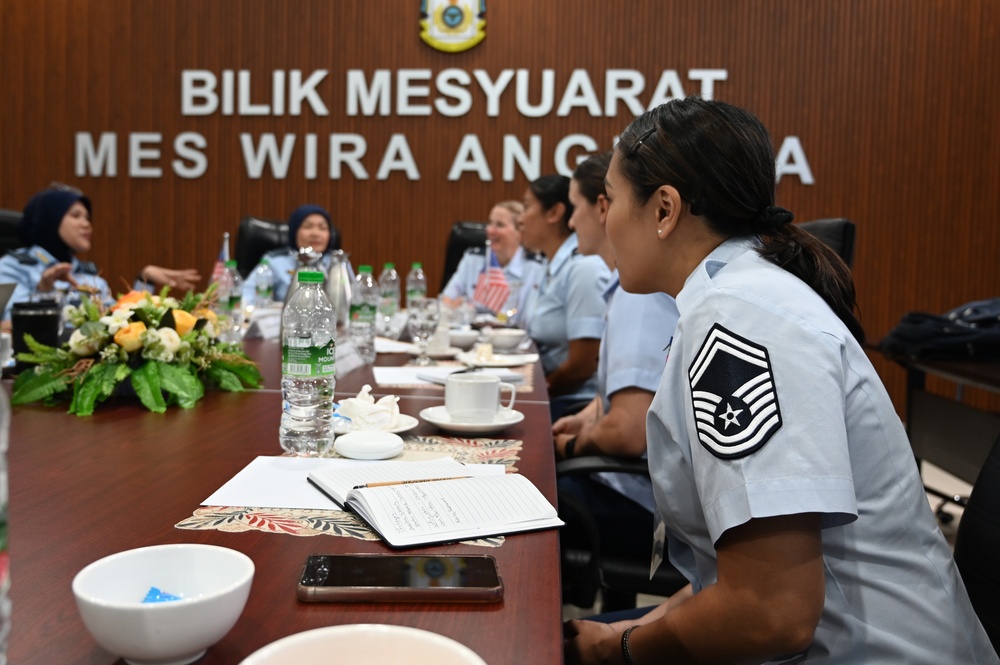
{"x": 117, "y": 320}
{"x": 82, "y": 345}
{"x": 170, "y": 339}
{"x": 75, "y": 316}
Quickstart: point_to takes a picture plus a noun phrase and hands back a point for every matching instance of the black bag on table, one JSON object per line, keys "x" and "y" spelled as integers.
{"x": 969, "y": 332}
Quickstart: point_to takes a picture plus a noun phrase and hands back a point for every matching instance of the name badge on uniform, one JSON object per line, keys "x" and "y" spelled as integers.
{"x": 733, "y": 394}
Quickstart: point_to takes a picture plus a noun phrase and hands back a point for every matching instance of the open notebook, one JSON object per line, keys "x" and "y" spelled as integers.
{"x": 437, "y": 501}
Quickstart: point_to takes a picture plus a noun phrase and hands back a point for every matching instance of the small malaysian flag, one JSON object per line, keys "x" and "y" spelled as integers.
{"x": 220, "y": 263}
{"x": 492, "y": 289}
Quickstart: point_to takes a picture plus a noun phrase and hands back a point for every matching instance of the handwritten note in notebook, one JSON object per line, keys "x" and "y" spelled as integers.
{"x": 408, "y": 513}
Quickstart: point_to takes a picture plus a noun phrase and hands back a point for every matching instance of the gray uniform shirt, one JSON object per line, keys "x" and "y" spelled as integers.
{"x": 768, "y": 407}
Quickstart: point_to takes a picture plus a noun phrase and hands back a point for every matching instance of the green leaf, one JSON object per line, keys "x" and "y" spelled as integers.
{"x": 97, "y": 385}
{"x": 248, "y": 372}
{"x": 226, "y": 379}
{"x": 91, "y": 309}
{"x": 31, "y": 387}
{"x": 40, "y": 353}
{"x": 146, "y": 381}
{"x": 182, "y": 383}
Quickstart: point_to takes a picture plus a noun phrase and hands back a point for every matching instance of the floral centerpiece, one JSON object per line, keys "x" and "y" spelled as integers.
{"x": 168, "y": 349}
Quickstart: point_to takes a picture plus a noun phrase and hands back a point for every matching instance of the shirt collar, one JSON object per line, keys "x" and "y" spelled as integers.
{"x": 563, "y": 254}
{"x": 716, "y": 260}
{"x": 612, "y": 285}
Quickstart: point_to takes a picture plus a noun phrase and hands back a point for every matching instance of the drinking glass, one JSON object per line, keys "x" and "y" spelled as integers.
{"x": 424, "y": 316}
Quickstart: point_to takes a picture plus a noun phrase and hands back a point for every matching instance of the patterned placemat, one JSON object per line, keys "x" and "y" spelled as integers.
{"x": 298, "y": 522}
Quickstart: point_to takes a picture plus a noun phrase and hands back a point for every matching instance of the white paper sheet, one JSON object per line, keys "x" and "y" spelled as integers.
{"x": 386, "y": 345}
{"x": 280, "y": 482}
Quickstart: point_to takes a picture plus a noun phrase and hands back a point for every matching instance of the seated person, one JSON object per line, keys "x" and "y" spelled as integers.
{"x": 566, "y": 318}
{"x": 637, "y": 331}
{"x": 56, "y": 226}
{"x": 523, "y": 270}
{"x": 308, "y": 226}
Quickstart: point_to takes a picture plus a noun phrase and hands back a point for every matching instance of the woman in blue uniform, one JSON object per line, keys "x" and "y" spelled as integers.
{"x": 55, "y": 227}
{"x": 779, "y": 465}
{"x": 567, "y": 318}
{"x": 523, "y": 271}
{"x": 637, "y": 330}
{"x": 308, "y": 226}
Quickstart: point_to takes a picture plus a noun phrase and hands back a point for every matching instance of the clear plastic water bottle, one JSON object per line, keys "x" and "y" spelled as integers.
{"x": 308, "y": 369}
{"x": 389, "y": 286}
{"x": 230, "y": 303}
{"x": 4, "y": 556}
{"x": 264, "y": 282}
{"x": 416, "y": 283}
{"x": 365, "y": 299}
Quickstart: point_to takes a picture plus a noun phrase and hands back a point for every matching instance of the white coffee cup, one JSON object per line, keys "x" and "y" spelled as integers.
{"x": 475, "y": 398}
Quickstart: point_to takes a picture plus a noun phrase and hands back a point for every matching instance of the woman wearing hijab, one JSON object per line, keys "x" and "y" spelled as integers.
{"x": 308, "y": 226}
{"x": 55, "y": 227}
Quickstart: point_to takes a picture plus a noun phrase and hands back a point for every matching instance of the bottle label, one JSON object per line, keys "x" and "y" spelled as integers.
{"x": 416, "y": 293}
{"x": 300, "y": 358}
{"x": 265, "y": 291}
{"x": 388, "y": 305}
{"x": 232, "y": 302}
{"x": 363, "y": 312}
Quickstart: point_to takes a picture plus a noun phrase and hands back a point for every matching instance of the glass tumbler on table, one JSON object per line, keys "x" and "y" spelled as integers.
{"x": 424, "y": 315}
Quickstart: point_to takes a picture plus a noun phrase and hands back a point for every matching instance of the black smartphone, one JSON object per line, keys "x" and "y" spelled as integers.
{"x": 365, "y": 578}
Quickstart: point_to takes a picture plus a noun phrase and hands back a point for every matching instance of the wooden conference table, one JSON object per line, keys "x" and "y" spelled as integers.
{"x": 84, "y": 488}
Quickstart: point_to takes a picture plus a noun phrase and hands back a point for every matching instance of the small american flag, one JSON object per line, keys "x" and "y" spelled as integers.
{"x": 220, "y": 263}
{"x": 492, "y": 289}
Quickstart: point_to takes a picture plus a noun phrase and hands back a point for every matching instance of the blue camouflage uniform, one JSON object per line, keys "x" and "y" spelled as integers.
{"x": 768, "y": 406}
{"x": 24, "y": 267}
{"x": 524, "y": 273}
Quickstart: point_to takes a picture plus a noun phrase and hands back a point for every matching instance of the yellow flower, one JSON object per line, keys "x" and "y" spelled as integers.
{"x": 130, "y": 298}
{"x": 183, "y": 321}
{"x": 128, "y": 338}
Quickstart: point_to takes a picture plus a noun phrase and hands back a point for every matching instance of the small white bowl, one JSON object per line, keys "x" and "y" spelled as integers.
{"x": 463, "y": 339}
{"x": 505, "y": 339}
{"x": 371, "y": 644}
{"x": 213, "y": 584}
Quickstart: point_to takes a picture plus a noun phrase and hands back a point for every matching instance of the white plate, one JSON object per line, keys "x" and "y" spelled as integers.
{"x": 371, "y": 644}
{"x": 404, "y": 423}
{"x": 499, "y": 360}
{"x": 450, "y": 352}
{"x": 438, "y": 415}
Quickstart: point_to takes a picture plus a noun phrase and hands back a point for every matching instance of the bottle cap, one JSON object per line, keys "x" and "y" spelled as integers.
{"x": 418, "y": 264}
{"x": 264, "y": 262}
{"x": 389, "y": 265}
{"x": 311, "y": 277}
{"x": 231, "y": 263}
{"x": 364, "y": 269}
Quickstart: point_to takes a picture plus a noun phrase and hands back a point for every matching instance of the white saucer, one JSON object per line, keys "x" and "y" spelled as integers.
{"x": 499, "y": 360}
{"x": 404, "y": 423}
{"x": 368, "y": 445}
{"x": 438, "y": 415}
{"x": 450, "y": 352}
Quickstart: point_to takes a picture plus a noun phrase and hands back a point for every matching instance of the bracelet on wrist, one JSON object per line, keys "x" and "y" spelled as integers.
{"x": 626, "y": 653}
{"x": 569, "y": 448}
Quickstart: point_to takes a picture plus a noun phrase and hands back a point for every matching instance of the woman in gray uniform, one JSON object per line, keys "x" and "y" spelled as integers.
{"x": 780, "y": 468}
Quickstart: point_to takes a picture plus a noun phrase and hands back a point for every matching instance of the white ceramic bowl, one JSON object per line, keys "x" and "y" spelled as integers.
{"x": 463, "y": 339}
{"x": 505, "y": 340}
{"x": 371, "y": 644}
{"x": 213, "y": 583}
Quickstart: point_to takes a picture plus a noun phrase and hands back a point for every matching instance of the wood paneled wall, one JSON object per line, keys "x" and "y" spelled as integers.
{"x": 893, "y": 102}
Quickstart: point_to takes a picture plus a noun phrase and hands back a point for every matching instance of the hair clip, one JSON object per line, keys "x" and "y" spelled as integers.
{"x": 638, "y": 142}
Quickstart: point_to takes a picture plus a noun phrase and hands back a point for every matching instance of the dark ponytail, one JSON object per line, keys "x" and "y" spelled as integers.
{"x": 719, "y": 158}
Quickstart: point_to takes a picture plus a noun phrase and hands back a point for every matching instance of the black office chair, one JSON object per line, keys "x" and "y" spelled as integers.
{"x": 255, "y": 237}
{"x": 837, "y": 233}
{"x": 587, "y": 568}
{"x": 463, "y": 236}
{"x": 977, "y": 543}
{"x": 9, "y": 239}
